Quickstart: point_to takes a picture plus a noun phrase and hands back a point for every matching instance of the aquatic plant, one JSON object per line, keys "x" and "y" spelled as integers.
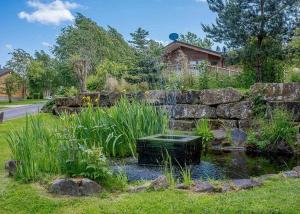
{"x": 117, "y": 128}
{"x": 203, "y": 130}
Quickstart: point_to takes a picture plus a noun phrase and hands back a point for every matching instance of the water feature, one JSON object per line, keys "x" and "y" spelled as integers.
{"x": 214, "y": 165}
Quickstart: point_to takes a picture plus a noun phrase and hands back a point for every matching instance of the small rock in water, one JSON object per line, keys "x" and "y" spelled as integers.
{"x": 201, "y": 186}
{"x": 245, "y": 183}
{"x": 239, "y": 137}
{"x": 160, "y": 183}
{"x": 291, "y": 174}
{"x": 11, "y": 167}
{"x": 74, "y": 187}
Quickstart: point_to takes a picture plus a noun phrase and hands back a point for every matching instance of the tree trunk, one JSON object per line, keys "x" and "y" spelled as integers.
{"x": 258, "y": 60}
{"x": 9, "y": 98}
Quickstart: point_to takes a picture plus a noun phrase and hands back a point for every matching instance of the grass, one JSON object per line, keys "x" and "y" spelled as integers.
{"x": 275, "y": 196}
{"x": 20, "y": 102}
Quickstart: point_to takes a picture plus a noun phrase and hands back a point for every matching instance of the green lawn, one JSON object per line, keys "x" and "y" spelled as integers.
{"x": 20, "y": 102}
{"x": 276, "y": 196}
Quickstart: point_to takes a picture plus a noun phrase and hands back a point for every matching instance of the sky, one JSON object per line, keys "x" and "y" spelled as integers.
{"x": 35, "y": 24}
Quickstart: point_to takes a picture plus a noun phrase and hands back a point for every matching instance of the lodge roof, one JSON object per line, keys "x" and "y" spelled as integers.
{"x": 4, "y": 72}
{"x": 176, "y": 44}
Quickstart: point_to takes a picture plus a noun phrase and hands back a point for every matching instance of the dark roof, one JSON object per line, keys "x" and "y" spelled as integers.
{"x": 215, "y": 53}
{"x": 4, "y": 72}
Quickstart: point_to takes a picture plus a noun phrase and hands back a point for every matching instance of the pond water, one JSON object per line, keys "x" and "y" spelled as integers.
{"x": 214, "y": 165}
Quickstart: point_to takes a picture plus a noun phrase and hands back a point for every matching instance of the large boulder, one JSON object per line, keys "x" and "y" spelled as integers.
{"x": 219, "y": 96}
{"x": 238, "y": 137}
{"x": 185, "y": 111}
{"x": 155, "y": 97}
{"x": 74, "y": 187}
{"x": 239, "y": 110}
{"x": 277, "y": 91}
{"x": 159, "y": 183}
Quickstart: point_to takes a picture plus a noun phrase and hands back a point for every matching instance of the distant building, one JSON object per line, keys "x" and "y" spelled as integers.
{"x": 4, "y": 73}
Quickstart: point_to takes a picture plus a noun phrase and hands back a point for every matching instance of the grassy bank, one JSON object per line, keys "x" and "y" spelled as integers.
{"x": 275, "y": 196}
{"x": 20, "y": 102}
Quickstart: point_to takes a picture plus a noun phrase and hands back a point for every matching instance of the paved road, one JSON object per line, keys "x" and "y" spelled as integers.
{"x": 21, "y": 111}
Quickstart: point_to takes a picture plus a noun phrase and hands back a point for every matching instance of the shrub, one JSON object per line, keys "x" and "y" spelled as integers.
{"x": 116, "y": 129}
{"x": 280, "y": 127}
{"x": 203, "y": 130}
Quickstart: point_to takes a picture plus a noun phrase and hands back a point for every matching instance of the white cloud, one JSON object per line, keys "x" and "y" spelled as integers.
{"x": 201, "y": 1}
{"x": 54, "y": 12}
{"x": 164, "y": 43}
{"x": 46, "y": 44}
{"x": 9, "y": 47}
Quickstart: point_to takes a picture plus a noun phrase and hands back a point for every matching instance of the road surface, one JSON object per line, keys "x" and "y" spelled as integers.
{"x": 21, "y": 111}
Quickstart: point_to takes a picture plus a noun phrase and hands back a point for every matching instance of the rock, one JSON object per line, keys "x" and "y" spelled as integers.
{"x": 238, "y": 137}
{"x": 92, "y": 97}
{"x": 156, "y": 97}
{"x": 290, "y": 106}
{"x": 182, "y": 125}
{"x": 58, "y": 110}
{"x": 137, "y": 188}
{"x": 201, "y": 186}
{"x": 1, "y": 117}
{"x": 219, "y": 136}
{"x": 185, "y": 111}
{"x": 279, "y": 147}
{"x": 219, "y": 96}
{"x": 244, "y": 124}
{"x": 239, "y": 110}
{"x": 88, "y": 187}
{"x": 11, "y": 167}
{"x": 221, "y": 123}
{"x": 108, "y": 99}
{"x": 160, "y": 183}
{"x": 297, "y": 169}
{"x": 291, "y": 174}
{"x": 277, "y": 91}
{"x": 182, "y": 186}
{"x": 245, "y": 183}
{"x": 225, "y": 187}
{"x": 67, "y": 102}
{"x": 64, "y": 187}
{"x": 74, "y": 187}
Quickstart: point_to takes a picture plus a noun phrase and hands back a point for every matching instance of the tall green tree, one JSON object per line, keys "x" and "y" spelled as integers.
{"x": 193, "y": 39}
{"x": 11, "y": 85}
{"x": 139, "y": 39}
{"x": 19, "y": 63}
{"x": 240, "y": 22}
{"x": 294, "y": 48}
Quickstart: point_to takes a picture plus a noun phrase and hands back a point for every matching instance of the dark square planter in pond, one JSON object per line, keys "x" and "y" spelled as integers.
{"x": 182, "y": 149}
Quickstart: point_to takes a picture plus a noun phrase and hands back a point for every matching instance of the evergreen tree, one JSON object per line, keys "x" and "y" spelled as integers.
{"x": 193, "y": 39}
{"x": 139, "y": 39}
{"x": 242, "y": 21}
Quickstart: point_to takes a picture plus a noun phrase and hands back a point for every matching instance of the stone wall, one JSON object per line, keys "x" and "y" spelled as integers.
{"x": 222, "y": 107}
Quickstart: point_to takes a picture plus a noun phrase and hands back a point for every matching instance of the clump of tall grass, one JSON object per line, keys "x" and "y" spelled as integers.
{"x": 117, "y": 128}
{"x": 35, "y": 148}
{"x": 203, "y": 130}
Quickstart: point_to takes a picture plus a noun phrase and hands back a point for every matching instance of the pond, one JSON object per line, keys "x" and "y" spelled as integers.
{"x": 214, "y": 165}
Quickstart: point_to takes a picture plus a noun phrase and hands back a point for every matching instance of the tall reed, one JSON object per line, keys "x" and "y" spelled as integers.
{"x": 116, "y": 129}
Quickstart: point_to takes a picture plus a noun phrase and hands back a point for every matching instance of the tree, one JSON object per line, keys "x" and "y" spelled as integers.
{"x": 11, "y": 85}
{"x": 193, "y": 39}
{"x": 85, "y": 45}
{"x": 240, "y": 22}
{"x": 294, "y": 48}
{"x": 139, "y": 39}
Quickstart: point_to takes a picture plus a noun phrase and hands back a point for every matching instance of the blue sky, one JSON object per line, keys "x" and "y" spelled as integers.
{"x": 35, "y": 24}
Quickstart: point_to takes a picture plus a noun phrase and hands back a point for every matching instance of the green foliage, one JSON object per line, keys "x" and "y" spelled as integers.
{"x": 193, "y": 39}
{"x": 10, "y": 85}
{"x": 203, "y": 130}
{"x": 36, "y": 149}
{"x": 19, "y": 62}
{"x": 186, "y": 175}
{"x": 116, "y": 129}
{"x": 280, "y": 127}
{"x": 67, "y": 91}
{"x": 139, "y": 39}
{"x": 237, "y": 28}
